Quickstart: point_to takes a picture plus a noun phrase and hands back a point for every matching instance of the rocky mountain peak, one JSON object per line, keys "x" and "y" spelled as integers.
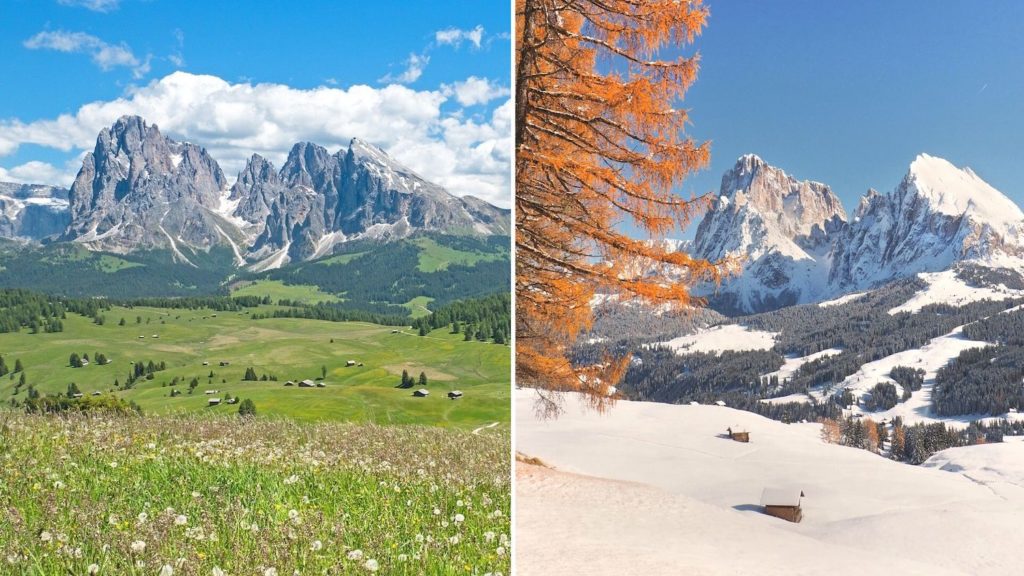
{"x": 958, "y": 191}
{"x": 794, "y": 207}
{"x": 139, "y": 189}
{"x": 308, "y": 164}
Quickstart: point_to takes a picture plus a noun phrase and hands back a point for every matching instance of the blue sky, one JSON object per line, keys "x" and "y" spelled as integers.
{"x": 848, "y": 93}
{"x": 428, "y": 81}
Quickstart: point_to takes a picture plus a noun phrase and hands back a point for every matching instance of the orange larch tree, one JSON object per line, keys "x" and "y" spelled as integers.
{"x": 600, "y": 142}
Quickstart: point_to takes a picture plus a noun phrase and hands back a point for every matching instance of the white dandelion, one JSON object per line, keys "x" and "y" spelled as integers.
{"x": 138, "y": 546}
{"x": 355, "y": 555}
{"x": 371, "y": 565}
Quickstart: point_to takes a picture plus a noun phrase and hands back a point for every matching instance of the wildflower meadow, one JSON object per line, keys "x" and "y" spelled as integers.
{"x": 217, "y": 496}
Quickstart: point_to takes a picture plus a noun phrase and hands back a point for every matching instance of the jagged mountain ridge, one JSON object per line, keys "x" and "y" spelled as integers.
{"x": 796, "y": 244}
{"x": 140, "y": 190}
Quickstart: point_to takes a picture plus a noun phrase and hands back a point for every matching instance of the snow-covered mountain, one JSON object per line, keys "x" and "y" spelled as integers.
{"x": 140, "y": 190}
{"x": 938, "y": 216}
{"x": 779, "y": 229}
{"x": 795, "y": 244}
{"x": 32, "y": 211}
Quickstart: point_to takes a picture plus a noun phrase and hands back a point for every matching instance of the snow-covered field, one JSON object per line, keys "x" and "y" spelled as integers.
{"x": 657, "y": 489}
{"x": 930, "y": 357}
{"x": 721, "y": 338}
{"x": 842, "y": 299}
{"x": 793, "y": 363}
{"x": 944, "y": 287}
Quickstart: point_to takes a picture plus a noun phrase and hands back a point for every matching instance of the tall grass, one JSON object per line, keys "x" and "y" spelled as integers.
{"x": 222, "y": 495}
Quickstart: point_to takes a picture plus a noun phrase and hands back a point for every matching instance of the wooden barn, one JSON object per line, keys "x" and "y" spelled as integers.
{"x": 421, "y": 392}
{"x": 783, "y": 503}
{"x": 738, "y": 435}
{"x": 307, "y": 383}
{"x": 455, "y": 394}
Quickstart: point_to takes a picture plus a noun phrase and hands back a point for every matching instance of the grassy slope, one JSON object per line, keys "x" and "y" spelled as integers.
{"x": 278, "y": 290}
{"x": 289, "y": 348}
{"x": 434, "y": 257}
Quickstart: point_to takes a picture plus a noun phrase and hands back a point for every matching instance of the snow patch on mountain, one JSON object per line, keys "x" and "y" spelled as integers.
{"x": 947, "y": 288}
{"x": 793, "y": 363}
{"x": 934, "y": 355}
{"x": 842, "y": 299}
{"x": 721, "y": 338}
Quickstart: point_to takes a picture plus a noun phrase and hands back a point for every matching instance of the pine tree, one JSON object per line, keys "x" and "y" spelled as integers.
{"x": 423, "y": 378}
{"x": 18, "y": 367}
{"x": 247, "y": 408}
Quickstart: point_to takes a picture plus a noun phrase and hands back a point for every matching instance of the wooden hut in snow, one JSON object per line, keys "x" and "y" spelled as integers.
{"x": 783, "y": 503}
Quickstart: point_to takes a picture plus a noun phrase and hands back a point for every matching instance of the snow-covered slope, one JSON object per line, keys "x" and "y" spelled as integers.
{"x": 700, "y": 513}
{"x": 720, "y": 338}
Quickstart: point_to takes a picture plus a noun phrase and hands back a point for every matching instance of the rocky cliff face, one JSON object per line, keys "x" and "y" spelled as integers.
{"x": 778, "y": 229}
{"x": 32, "y": 212}
{"x": 937, "y": 216}
{"x": 139, "y": 189}
{"x": 323, "y": 199}
{"x": 795, "y": 245}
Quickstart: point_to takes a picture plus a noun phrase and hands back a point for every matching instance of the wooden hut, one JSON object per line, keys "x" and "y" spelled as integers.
{"x": 738, "y": 435}
{"x": 455, "y": 394}
{"x": 213, "y": 402}
{"x": 421, "y": 392}
{"x": 307, "y": 383}
{"x": 783, "y": 503}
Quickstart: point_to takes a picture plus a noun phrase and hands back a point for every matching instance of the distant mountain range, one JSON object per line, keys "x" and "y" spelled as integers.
{"x": 140, "y": 191}
{"x": 796, "y": 244}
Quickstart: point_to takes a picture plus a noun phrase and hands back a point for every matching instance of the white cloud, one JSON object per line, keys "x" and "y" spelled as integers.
{"x": 234, "y": 120}
{"x": 177, "y": 57}
{"x": 473, "y": 91}
{"x": 414, "y": 66}
{"x": 106, "y": 56}
{"x": 456, "y": 37}
{"x": 36, "y": 172}
{"x": 94, "y": 5}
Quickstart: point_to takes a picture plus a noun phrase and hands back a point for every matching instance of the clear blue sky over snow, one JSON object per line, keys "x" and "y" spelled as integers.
{"x": 848, "y": 93}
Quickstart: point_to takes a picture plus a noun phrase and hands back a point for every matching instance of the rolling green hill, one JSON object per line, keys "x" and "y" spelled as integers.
{"x": 287, "y": 348}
